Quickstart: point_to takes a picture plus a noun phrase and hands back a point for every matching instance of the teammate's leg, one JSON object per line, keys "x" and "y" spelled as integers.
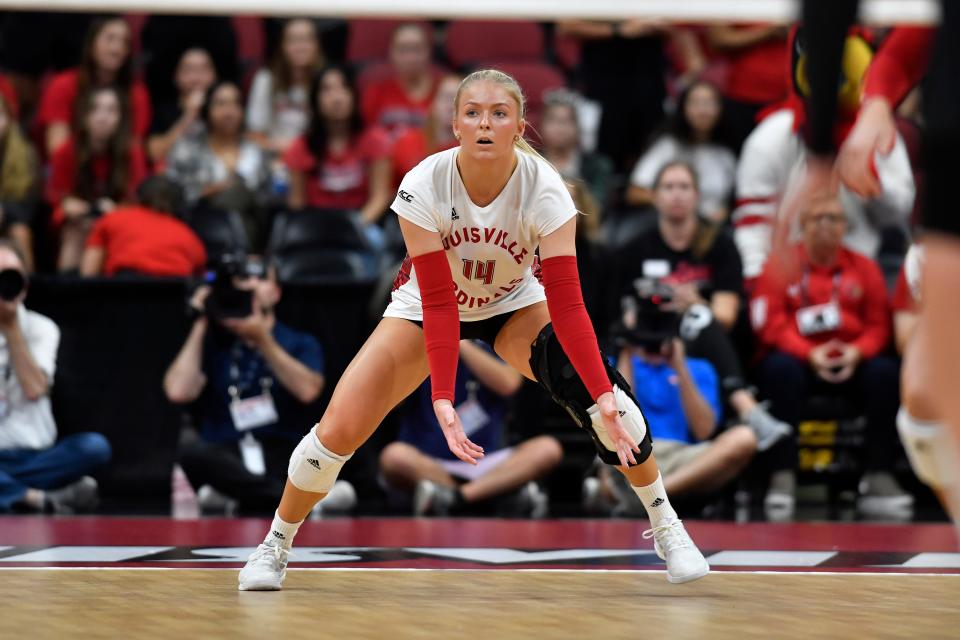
{"x": 930, "y": 371}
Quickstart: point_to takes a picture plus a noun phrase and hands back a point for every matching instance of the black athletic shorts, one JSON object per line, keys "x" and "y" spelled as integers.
{"x": 486, "y": 330}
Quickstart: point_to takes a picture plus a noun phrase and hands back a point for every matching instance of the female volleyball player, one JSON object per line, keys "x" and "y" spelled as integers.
{"x": 472, "y": 218}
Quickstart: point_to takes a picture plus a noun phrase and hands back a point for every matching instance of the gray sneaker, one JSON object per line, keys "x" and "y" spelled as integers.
{"x": 768, "y": 429}
{"x": 432, "y": 499}
{"x": 532, "y": 501}
{"x": 780, "y": 502}
{"x": 76, "y": 496}
{"x": 341, "y": 499}
{"x": 882, "y": 496}
{"x": 212, "y": 501}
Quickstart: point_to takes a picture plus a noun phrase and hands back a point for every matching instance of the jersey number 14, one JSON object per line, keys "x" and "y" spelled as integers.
{"x": 479, "y": 270}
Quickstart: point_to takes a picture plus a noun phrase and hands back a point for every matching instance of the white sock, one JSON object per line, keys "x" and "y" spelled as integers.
{"x": 655, "y": 501}
{"x": 281, "y": 532}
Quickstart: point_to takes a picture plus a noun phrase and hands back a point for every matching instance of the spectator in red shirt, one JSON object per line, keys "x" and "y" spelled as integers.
{"x": 826, "y": 331}
{"x": 436, "y": 134}
{"x": 403, "y": 98}
{"x": 105, "y": 62}
{"x": 758, "y": 72}
{"x": 19, "y": 181}
{"x": 96, "y": 168}
{"x": 146, "y": 238}
{"x": 336, "y": 164}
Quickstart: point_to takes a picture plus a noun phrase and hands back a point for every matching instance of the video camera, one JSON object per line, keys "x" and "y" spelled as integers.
{"x": 645, "y": 323}
{"x": 226, "y": 300}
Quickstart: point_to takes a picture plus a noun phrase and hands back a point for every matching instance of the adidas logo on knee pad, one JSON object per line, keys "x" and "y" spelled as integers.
{"x": 321, "y": 476}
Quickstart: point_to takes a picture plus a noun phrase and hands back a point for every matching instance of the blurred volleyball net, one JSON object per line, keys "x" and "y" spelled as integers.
{"x": 871, "y": 11}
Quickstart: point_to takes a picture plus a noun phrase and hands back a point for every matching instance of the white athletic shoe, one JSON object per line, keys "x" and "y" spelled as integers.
{"x": 673, "y": 544}
{"x": 265, "y": 569}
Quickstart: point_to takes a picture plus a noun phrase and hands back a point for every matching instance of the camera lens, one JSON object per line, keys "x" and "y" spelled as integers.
{"x": 12, "y": 283}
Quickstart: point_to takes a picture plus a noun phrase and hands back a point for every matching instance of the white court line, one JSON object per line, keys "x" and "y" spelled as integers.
{"x": 417, "y": 569}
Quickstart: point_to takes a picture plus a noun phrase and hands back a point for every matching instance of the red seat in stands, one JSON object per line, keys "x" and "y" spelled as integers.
{"x": 468, "y": 41}
{"x": 369, "y": 40}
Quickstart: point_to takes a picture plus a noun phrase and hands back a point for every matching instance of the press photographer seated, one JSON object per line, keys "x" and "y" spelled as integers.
{"x": 37, "y": 472}
{"x": 680, "y": 397}
{"x": 249, "y": 374}
{"x": 825, "y": 328}
{"x": 697, "y": 270}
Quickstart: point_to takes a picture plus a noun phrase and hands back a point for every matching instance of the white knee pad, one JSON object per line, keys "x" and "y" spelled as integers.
{"x": 629, "y": 414}
{"x": 313, "y": 467}
{"x": 925, "y": 444}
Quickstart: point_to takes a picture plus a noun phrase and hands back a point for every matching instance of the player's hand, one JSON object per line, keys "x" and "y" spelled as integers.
{"x": 621, "y": 440}
{"x": 874, "y": 132}
{"x": 457, "y": 440}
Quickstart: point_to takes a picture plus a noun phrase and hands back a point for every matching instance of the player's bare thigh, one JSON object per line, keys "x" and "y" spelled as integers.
{"x": 389, "y": 366}
{"x": 514, "y": 340}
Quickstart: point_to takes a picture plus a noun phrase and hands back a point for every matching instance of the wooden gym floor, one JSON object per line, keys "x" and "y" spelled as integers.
{"x": 402, "y": 578}
{"x": 204, "y": 603}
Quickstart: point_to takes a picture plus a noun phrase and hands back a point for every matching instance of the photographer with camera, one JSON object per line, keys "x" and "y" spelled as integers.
{"x": 826, "y": 330}
{"x": 696, "y": 272}
{"x": 681, "y": 400}
{"x": 36, "y": 472}
{"x": 250, "y": 374}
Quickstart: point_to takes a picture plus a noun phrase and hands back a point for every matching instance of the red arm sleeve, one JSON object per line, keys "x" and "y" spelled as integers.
{"x": 572, "y": 324}
{"x": 876, "y": 321}
{"x": 899, "y": 64}
{"x": 441, "y": 321}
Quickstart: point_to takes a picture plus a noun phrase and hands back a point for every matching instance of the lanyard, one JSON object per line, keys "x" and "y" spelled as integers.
{"x": 243, "y": 380}
{"x": 805, "y": 284}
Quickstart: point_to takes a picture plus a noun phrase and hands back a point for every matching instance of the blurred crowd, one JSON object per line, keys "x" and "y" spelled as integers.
{"x": 248, "y": 153}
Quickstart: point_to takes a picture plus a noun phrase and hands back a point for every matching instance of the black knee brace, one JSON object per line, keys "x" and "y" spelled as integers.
{"x": 555, "y": 373}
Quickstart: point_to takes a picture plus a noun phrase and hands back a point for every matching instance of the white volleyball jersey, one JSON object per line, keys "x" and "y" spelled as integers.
{"x": 490, "y": 249}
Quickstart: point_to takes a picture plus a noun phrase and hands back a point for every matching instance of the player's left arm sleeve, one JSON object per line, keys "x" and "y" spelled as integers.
{"x": 572, "y": 324}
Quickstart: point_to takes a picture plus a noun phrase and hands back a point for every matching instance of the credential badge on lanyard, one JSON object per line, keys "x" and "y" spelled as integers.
{"x": 813, "y": 319}
{"x": 472, "y": 415}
